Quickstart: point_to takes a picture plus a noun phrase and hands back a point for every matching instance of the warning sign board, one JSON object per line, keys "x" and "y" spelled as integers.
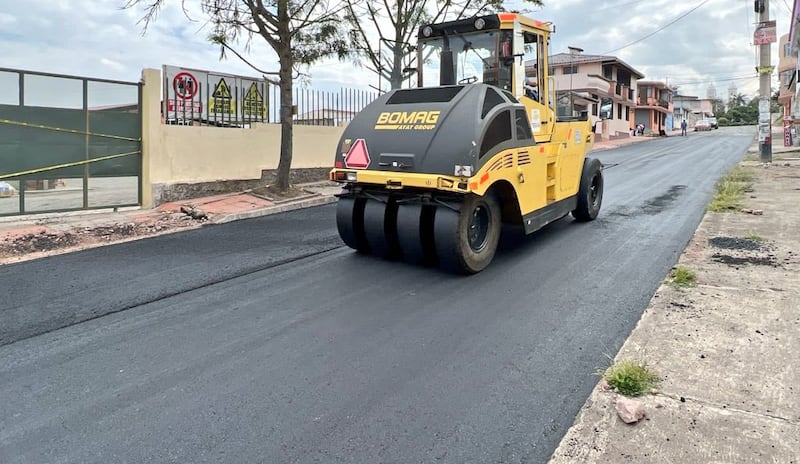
{"x": 221, "y": 101}
{"x": 198, "y": 95}
{"x": 253, "y": 101}
{"x": 185, "y": 85}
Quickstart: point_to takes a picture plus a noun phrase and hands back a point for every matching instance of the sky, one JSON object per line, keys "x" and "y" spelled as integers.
{"x": 97, "y": 38}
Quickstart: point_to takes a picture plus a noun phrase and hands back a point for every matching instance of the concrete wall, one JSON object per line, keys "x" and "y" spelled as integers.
{"x": 189, "y": 160}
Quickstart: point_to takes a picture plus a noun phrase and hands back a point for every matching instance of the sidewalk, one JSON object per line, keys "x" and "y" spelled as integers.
{"x": 725, "y": 350}
{"x": 35, "y": 236}
{"x": 29, "y": 237}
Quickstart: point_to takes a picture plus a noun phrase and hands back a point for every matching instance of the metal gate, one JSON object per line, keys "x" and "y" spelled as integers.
{"x": 68, "y": 143}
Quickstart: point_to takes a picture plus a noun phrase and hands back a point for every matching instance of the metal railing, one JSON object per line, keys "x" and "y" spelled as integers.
{"x": 322, "y": 108}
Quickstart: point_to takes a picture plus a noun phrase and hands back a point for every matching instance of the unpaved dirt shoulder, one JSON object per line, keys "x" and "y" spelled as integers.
{"x": 725, "y": 349}
{"x": 48, "y": 238}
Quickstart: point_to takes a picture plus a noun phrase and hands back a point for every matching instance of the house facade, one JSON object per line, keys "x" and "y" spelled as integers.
{"x": 691, "y": 108}
{"x": 787, "y": 74}
{"x": 604, "y": 87}
{"x": 654, "y": 107}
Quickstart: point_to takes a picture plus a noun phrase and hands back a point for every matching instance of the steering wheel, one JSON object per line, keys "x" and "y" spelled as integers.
{"x": 468, "y": 80}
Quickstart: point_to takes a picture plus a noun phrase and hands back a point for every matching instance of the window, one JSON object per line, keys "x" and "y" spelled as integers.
{"x": 608, "y": 71}
{"x": 627, "y": 113}
{"x": 619, "y": 109}
{"x": 573, "y": 69}
{"x": 606, "y": 108}
{"x": 531, "y": 59}
{"x": 787, "y": 49}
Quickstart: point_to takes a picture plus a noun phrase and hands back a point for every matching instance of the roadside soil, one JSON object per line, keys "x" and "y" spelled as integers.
{"x": 49, "y": 237}
{"x": 56, "y": 235}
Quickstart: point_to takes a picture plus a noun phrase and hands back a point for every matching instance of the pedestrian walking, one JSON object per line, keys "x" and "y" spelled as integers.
{"x": 683, "y": 127}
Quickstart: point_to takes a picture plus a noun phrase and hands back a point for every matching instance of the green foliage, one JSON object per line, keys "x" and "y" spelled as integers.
{"x": 731, "y": 189}
{"x": 682, "y": 276}
{"x": 630, "y": 378}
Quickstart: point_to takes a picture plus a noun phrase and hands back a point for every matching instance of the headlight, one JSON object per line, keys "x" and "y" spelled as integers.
{"x": 427, "y": 31}
{"x": 351, "y": 177}
{"x": 479, "y": 23}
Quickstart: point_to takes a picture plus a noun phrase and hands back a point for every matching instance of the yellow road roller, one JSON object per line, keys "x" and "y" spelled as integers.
{"x": 429, "y": 174}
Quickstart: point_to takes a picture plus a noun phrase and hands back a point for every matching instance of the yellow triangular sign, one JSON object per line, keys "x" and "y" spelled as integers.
{"x": 253, "y": 95}
{"x": 222, "y": 90}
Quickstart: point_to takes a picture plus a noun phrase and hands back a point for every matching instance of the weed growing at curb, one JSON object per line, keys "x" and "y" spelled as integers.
{"x": 682, "y": 277}
{"x": 754, "y": 237}
{"x": 730, "y": 190}
{"x": 630, "y": 378}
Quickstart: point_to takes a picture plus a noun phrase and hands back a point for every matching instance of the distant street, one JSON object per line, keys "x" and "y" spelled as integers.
{"x": 266, "y": 341}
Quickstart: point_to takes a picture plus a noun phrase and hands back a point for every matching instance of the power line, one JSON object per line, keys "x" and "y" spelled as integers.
{"x": 709, "y": 81}
{"x": 659, "y": 29}
{"x": 616, "y": 6}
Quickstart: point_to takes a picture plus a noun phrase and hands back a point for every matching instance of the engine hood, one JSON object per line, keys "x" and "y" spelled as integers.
{"x": 438, "y": 130}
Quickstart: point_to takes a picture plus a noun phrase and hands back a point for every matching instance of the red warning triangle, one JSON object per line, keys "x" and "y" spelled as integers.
{"x": 358, "y": 156}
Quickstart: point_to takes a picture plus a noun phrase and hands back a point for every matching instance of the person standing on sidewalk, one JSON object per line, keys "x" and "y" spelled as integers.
{"x": 683, "y": 127}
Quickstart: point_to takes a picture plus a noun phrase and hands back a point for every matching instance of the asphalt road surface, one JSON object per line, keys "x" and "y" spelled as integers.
{"x": 265, "y": 341}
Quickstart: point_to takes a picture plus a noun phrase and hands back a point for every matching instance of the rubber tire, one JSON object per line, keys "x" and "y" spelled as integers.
{"x": 588, "y": 206}
{"x": 415, "y": 233}
{"x": 350, "y": 222}
{"x": 451, "y": 230}
{"x": 380, "y": 228}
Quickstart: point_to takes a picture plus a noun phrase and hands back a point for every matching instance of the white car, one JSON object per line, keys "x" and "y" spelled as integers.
{"x": 702, "y": 125}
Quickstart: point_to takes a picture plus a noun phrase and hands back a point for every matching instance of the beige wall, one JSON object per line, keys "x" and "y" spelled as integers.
{"x": 196, "y": 154}
{"x": 202, "y": 154}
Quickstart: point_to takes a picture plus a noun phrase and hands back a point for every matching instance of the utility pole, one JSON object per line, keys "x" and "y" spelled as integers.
{"x": 765, "y": 75}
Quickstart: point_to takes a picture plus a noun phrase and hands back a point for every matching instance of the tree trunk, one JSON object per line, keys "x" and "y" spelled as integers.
{"x": 286, "y": 85}
{"x": 396, "y": 78}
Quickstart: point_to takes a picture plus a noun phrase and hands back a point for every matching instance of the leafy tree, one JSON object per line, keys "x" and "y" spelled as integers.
{"x": 718, "y": 107}
{"x": 383, "y": 33}
{"x": 738, "y": 100}
{"x": 300, "y": 32}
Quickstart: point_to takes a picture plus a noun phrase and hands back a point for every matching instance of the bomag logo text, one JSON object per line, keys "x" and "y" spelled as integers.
{"x": 404, "y": 120}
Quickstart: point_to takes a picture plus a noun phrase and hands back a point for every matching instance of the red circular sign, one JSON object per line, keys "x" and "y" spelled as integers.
{"x": 185, "y": 85}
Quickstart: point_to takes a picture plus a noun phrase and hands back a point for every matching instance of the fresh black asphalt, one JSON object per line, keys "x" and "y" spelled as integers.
{"x": 265, "y": 341}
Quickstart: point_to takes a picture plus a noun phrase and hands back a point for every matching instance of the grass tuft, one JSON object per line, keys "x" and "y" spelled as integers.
{"x": 754, "y": 237}
{"x": 682, "y": 277}
{"x": 630, "y": 378}
{"x": 731, "y": 189}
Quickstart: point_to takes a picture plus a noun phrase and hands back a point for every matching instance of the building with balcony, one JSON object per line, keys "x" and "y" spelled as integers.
{"x": 788, "y": 96}
{"x": 654, "y": 107}
{"x": 787, "y": 73}
{"x": 602, "y": 86}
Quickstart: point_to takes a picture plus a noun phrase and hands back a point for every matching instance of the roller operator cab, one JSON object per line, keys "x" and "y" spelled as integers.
{"x": 430, "y": 173}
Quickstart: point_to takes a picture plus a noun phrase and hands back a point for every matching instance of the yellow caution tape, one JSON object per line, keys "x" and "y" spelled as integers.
{"x": 71, "y": 131}
{"x": 67, "y": 165}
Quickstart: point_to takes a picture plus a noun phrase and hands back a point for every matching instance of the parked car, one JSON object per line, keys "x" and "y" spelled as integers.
{"x": 713, "y": 122}
{"x": 702, "y": 125}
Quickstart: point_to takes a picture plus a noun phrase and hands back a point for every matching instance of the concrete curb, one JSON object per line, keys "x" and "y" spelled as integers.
{"x": 281, "y": 208}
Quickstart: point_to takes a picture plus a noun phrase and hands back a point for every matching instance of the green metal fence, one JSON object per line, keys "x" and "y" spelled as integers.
{"x": 68, "y": 143}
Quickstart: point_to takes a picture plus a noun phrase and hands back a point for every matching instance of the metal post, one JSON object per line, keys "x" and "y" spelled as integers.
{"x": 765, "y": 74}
{"x": 21, "y": 179}
{"x": 86, "y": 144}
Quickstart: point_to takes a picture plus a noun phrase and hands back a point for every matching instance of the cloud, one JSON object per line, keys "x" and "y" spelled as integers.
{"x": 99, "y": 39}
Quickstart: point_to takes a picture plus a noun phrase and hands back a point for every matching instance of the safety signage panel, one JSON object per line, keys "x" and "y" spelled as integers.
{"x": 206, "y": 96}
